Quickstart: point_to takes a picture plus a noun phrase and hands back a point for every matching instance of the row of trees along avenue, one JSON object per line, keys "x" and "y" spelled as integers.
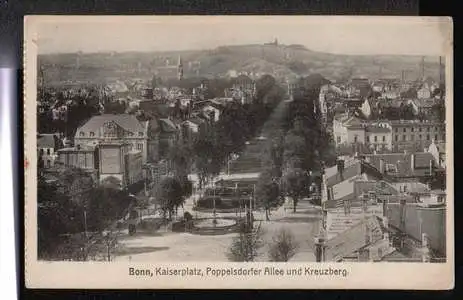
{"x": 299, "y": 149}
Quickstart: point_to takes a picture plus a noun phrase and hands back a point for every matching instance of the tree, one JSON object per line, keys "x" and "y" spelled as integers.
{"x": 105, "y": 206}
{"x": 169, "y": 193}
{"x": 272, "y": 156}
{"x": 208, "y": 158}
{"x": 283, "y": 247}
{"x": 294, "y": 150}
{"x": 111, "y": 182}
{"x": 245, "y": 247}
{"x": 76, "y": 183}
{"x": 180, "y": 158}
{"x": 57, "y": 216}
{"x": 267, "y": 192}
{"x": 296, "y": 183}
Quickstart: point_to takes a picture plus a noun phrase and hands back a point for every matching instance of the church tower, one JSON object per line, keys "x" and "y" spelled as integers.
{"x": 180, "y": 68}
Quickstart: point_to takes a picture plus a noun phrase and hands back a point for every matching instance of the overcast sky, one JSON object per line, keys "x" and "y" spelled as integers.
{"x": 345, "y": 35}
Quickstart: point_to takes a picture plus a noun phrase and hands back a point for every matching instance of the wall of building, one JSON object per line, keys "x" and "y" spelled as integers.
{"x": 355, "y": 136}
{"x": 48, "y": 156}
{"x": 111, "y": 161}
{"x": 78, "y": 159}
{"x": 383, "y": 139}
{"x": 419, "y": 134}
{"x": 432, "y": 223}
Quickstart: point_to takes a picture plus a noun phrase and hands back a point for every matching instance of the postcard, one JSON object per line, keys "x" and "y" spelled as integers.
{"x": 239, "y": 152}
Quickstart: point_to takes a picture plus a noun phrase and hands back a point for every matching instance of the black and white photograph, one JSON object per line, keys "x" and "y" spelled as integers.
{"x": 218, "y": 140}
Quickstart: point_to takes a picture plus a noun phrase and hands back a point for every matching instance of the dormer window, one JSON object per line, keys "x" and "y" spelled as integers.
{"x": 82, "y": 133}
{"x": 92, "y": 133}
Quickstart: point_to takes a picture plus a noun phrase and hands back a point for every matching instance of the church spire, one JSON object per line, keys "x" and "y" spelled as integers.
{"x": 180, "y": 68}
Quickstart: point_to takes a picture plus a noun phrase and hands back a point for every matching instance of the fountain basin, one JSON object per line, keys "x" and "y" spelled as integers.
{"x": 208, "y": 226}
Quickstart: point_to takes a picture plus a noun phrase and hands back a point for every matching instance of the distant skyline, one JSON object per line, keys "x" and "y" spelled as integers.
{"x": 339, "y": 35}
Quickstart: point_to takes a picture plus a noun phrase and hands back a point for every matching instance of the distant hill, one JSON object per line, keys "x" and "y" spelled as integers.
{"x": 277, "y": 60}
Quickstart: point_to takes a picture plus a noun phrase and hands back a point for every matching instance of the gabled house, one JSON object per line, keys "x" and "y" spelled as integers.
{"x": 122, "y": 128}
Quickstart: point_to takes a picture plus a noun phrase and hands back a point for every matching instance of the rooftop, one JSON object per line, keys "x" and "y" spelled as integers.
{"x": 46, "y": 141}
{"x": 377, "y": 129}
{"x": 402, "y": 163}
{"x": 126, "y": 121}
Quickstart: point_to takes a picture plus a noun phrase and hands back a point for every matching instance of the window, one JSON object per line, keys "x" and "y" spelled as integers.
{"x": 421, "y": 129}
{"x": 41, "y": 152}
{"x": 404, "y": 137}
{"x": 92, "y": 133}
{"x": 48, "y": 151}
{"x": 405, "y": 188}
{"x": 397, "y": 130}
{"x": 421, "y": 137}
{"x": 436, "y": 129}
{"x": 48, "y": 163}
{"x": 429, "y": 129}
{"x": 140, "y": 133}
{"x": 81, "y": 133}
{"x": 396, "y": 138}
{"x": 435, "y": 137}
{"x": 428, "y": 137}
{"x": 355, "y": 139}
{"x": 412, "y": 129}
{"x": 140, "y": 146}
{"x": 368, "y": 139}
{"x": 338, "y": 139}
{"x": 405, "y": 129}
{"x": 376, "y": 138}
{"x": 384, "y": 138}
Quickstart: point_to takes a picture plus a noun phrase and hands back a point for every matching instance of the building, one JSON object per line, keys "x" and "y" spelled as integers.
{"x": 404, "y": 167}
{"x": 244, "y": 88}
{"x": 119, "y": 162}
{"x": 424, "y": 93}
{"x": 415, "y": 135}
{"x": 85, "y": 158}
{"x": 214, "y": 110}
{"x": 47, "y": 145}
{"x": 424, "y": 106}
{"x": 437, "y": 150}
{"x": 378, "y": 137}
{"x": 348, "y": 130}
{"x": 122, "y": 128}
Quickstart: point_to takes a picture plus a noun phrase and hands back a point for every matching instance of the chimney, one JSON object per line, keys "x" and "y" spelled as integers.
{"x": 381, "y": 166}
{"x": 412, "y": 161}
